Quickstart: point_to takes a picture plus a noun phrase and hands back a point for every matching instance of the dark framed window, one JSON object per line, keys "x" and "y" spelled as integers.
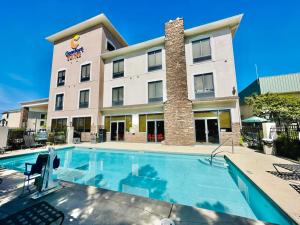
{"x": 117, "y": 96}
{"x": 43, "y": 116}
{"x": 59, "y": 125}
{"x": 84, "y": 99}
{"x": 155, "y": 91}
{"x": 204, "y": 85}
{"x": 154, "y": 60}
{"x": 118, "y": 68}
{"x": 82, "y": 124}
{"x": 85, "y": 72}
{"x": 109, "y": 46}
{"x": 42, "y": 123}
{"x": 201, "y": 50}
{"x": 59, "y": 102}
{"x": 61, "y": 78}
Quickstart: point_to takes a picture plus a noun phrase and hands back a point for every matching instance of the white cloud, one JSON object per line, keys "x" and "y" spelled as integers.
{"x": 20, "y": 79}
{"x": 11, "y": 97}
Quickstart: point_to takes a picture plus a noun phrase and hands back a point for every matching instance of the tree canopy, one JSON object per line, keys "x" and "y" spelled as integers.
{"x": 282, "y": 109}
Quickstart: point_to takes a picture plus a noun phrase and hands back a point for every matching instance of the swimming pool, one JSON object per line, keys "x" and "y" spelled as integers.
{"x": 177, "y": 178}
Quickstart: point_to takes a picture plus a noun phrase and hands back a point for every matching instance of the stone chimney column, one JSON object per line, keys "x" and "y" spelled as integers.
{"x": 178, "y": 114}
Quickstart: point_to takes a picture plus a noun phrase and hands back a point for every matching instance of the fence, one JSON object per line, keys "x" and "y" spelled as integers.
{"x": 253, "y": 135}
{"x": 290, "y": 132}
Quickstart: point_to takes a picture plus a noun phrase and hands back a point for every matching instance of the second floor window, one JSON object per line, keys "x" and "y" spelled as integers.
{"x": 204, "y": 86}
{"x": 155, "y": 91}
{"x": 201, "y": 50}
{"x": 118, "y": 68}
{"x": 61, "y": 78}
{"x": 117, "y": 96}
{"x": 84, "y": 99}
{"x": 59, "y": 102}
{"x": 85, "y": 72}
{"x": 154, "y": 60}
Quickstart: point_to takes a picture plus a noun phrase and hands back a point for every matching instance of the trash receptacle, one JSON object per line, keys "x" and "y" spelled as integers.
{"x": 102, "y": 135}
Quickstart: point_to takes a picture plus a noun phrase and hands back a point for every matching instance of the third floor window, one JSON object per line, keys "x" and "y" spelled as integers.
{"x": 154, "y": 60}
{"x": 201, "y": 50}
{"x": 85, "y": 72}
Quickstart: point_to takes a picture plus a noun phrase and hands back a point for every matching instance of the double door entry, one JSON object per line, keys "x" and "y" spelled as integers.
{"x": 207, "y": 130}
{"x": 155, "y": 131}
{"x": 117, "y": 130}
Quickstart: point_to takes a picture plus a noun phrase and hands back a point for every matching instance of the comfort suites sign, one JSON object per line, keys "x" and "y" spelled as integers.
{"x": 76, "y": 51}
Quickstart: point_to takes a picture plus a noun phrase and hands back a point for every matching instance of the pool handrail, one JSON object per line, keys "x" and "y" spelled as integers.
{"x": 214, "y": 152}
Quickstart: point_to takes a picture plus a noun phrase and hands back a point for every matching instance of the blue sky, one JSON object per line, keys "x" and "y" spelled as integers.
{"x": 268, "y": 35}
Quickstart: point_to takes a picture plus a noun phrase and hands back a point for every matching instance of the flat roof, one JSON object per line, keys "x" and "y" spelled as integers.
{"x": 37, "y": 102}
{"x": 231, "y": 22}
{"x": 11, "y": 111}
{"x": 99, "y": 19}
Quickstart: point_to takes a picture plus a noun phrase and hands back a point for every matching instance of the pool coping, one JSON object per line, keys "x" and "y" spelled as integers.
{"x": 224, "y": 154}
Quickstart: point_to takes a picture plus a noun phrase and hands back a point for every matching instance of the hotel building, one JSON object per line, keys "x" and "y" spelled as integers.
{"x": 179, "y": 88}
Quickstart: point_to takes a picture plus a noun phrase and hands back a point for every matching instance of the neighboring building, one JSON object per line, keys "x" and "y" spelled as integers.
{"x": 286, "y": 84}
{"x": 32, "y": 115}
{"x": 12, "y": 118}
{"x": 35, "y": 114}
{"x": 180, "y": 88}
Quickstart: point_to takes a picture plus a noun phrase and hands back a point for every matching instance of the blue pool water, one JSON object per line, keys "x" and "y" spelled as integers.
{"x": 176, "y": 178}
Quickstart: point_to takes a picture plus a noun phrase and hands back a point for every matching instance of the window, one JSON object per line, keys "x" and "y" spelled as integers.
{"x": 84, "y": 99}
{"x": 154, "y": 60}
{"x": 43, "y": 116}
{"x": 42, "y": 123}
{"x": 118, "y": 68}
{"x": 82, "y": 124}
{"x": 117, "y": 96}
{"x": 225, "y": 120}
{"x": 85, "y": 72}
{"x": 59, "y": 103}
{"x": 155, "y": 91}
{"x": 61, "y": 78}
{"x": 59, "y": 125}
{"x": 201, "y": 50}
{"x": 204, "y": 86}
{"x": 109, "y": 46}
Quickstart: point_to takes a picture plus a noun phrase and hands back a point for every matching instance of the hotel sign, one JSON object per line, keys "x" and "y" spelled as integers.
{"x": 76, "y": 51}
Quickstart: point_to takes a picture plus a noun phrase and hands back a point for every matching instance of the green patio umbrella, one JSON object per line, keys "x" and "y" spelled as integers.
{"x": 254, "y": 119}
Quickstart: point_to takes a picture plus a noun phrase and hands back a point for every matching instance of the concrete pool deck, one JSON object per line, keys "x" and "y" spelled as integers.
{"x": 253, "y": 164}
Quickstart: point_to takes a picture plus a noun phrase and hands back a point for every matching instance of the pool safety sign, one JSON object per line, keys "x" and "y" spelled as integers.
{"x": 76, "y": 51}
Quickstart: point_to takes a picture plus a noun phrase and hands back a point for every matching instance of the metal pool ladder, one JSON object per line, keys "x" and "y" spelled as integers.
{"x": 214, "y": 152}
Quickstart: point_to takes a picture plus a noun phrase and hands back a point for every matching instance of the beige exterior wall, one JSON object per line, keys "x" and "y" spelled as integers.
{"x": 93, "y": 41}
{"x": 13, "y": 119}
{"x": 136, "y": 78}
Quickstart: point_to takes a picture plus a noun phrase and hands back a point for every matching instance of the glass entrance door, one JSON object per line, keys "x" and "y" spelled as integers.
{"x": 207, "y": 130}
{"x": 213, "y": 131}
{"x": 117, "y": 130}
{"x": 155, "y": 131}
{"x": 200, "y": 131}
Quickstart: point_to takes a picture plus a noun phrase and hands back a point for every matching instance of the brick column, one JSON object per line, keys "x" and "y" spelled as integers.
{"x": 178, "y": 114}
{"x": 24, "y": 117}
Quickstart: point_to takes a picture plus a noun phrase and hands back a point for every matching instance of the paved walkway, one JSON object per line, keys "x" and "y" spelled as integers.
{"x": 90, "y": 205}
{"x": 253, "y": 164}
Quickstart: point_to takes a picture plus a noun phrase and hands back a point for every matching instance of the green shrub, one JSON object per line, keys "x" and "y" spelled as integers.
{"x": 287, "y": 148}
